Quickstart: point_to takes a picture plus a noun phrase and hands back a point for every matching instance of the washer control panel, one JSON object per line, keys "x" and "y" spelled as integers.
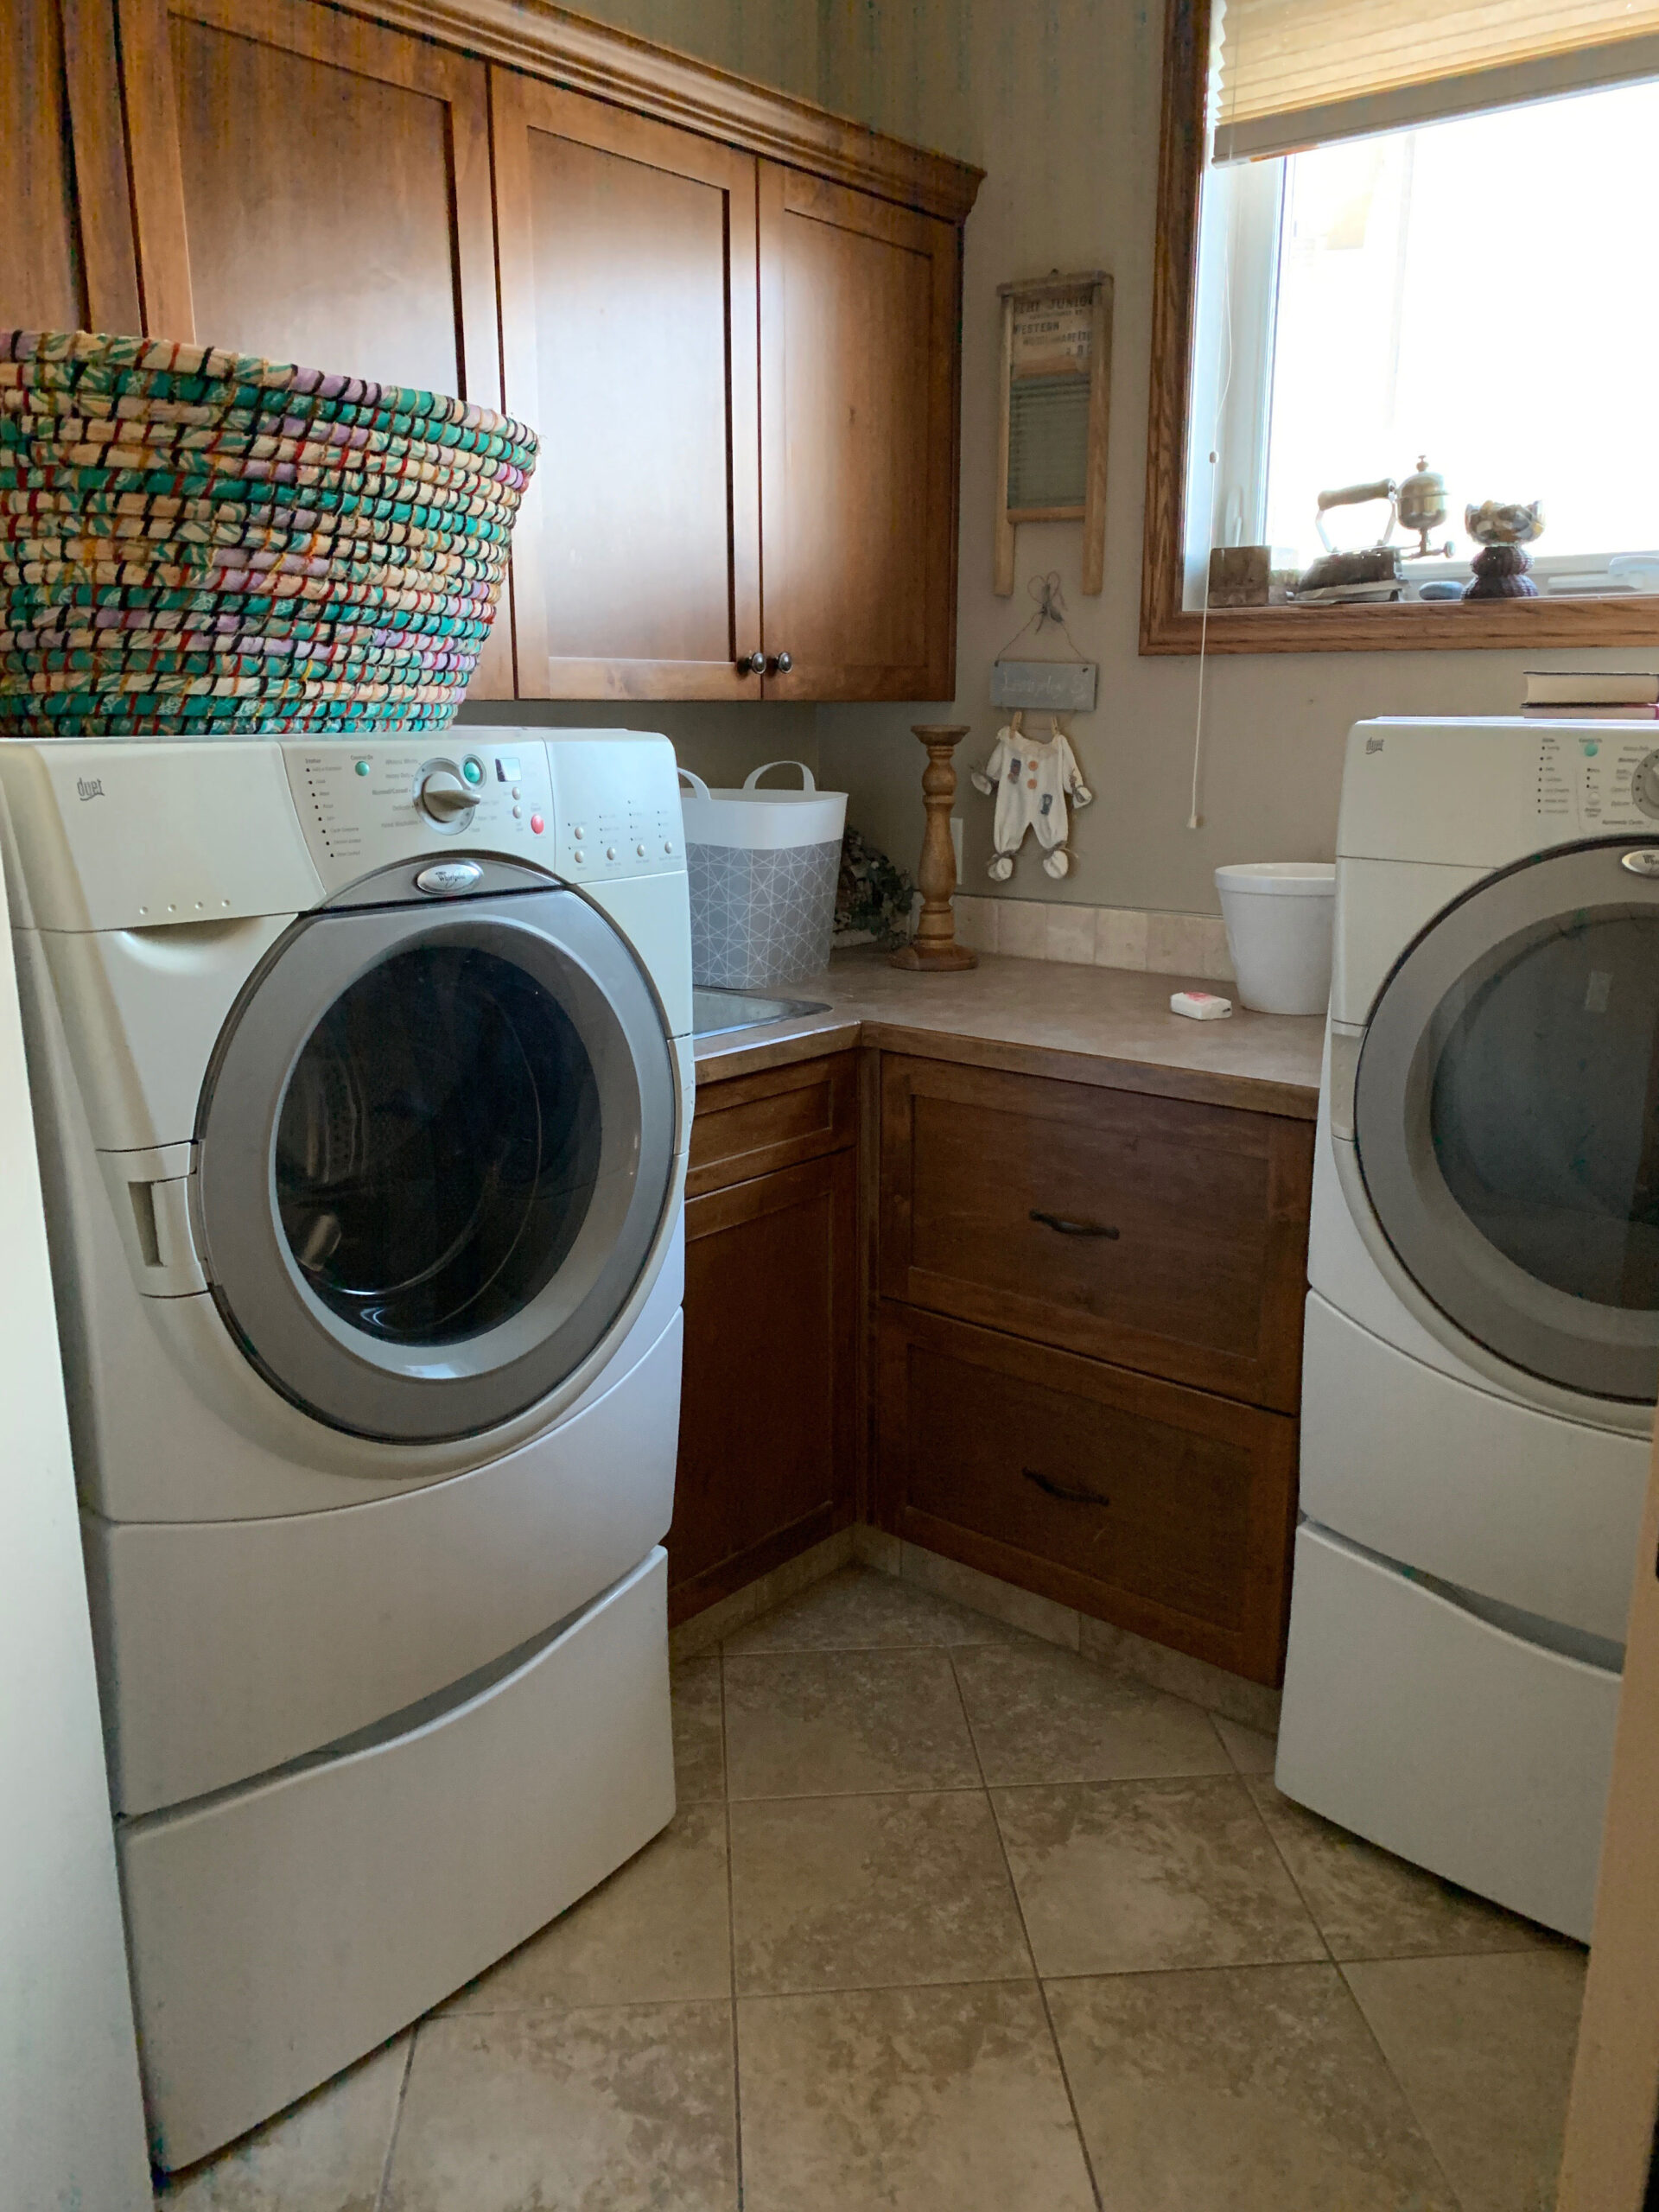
{"x": 586, "y": 808}
{"x": 363, "y": 807}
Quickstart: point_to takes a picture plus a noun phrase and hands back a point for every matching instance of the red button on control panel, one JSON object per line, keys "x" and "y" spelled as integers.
{"x": 536, "y": 824}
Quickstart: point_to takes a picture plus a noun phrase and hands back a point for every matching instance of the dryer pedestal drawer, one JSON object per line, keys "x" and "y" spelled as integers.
{"x": 1466, "y": 1749}
{"x": 1162, "y": 1510}
{"x": 280, "y": 1931}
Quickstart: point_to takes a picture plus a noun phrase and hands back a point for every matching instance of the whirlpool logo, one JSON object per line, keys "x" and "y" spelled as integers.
{"x": 90, "y": 787}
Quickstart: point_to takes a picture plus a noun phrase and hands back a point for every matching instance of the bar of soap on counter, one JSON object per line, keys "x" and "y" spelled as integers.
{"x": 1199, "y": 1006}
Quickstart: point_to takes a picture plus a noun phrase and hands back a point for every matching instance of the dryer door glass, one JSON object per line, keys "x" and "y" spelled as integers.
{"x": 436, "y": 1151}
{"x": 1506, "y": 1116}
{"x": 1544, "y": 1110}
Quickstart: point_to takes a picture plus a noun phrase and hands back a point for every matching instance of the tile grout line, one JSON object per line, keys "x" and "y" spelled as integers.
{"x": 396, "y": 2120}
{"x": 1336, "y": 1965}
{"x": 731, "y": 1929}
{"x": 1042, "y": 1992}
{"x": 1302, "y": 1899}
{"x": 1429, "y": 2144}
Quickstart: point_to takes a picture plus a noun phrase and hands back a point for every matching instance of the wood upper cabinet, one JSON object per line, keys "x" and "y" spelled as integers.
{"x": 312, "y": 187}
{"x": 859, "y": 355}
{"x": 628, "y": 324}
{"x": 67, "y": 258}
{"x": 726, "y": 313}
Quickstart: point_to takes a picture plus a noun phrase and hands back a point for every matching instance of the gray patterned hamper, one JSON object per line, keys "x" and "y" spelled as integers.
{"x": 763, "y": 866}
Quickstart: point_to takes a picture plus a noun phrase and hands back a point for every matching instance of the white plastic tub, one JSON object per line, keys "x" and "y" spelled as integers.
{"x": 762, "y": 866}
{"x": 1279, "y": 915}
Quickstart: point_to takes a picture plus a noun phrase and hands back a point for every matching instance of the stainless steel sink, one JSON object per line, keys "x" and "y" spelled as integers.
{"x": 714, "y": 1011}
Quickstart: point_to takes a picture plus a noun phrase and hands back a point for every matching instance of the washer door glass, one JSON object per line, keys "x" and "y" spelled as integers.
{"x": 434, "y": 1149}
{"x": 438, "y": 1146}
{"x": 1506, "y": 1115}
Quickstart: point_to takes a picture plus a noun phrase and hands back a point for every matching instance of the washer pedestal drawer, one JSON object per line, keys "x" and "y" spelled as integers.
{"x": 1475, "y": 1752}
{"x": 280, "y": 1930}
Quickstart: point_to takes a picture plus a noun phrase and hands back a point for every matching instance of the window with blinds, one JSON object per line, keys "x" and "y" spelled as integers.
{"x": 1396, "y": 263}
{"x": 1293, "y": 74}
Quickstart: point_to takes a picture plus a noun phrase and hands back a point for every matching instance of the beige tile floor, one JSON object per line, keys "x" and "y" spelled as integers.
{"x": 951, "y": 1921}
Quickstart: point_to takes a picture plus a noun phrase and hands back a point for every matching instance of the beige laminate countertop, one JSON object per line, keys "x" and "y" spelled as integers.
{"x": 1108, "y": 1026}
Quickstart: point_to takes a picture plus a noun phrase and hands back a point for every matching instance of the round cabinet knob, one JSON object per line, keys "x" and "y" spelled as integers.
{"x": 443, "y": 797}
{"x": 780, "y": 663}
{"x": 1644, "y": 785}
{"x": 751, "y": 664}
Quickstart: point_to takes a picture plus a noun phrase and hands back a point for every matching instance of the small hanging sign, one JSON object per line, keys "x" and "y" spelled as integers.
{"x": 1056, "y": 687}
{"x": 1060, "y": 686}
{"x": 1056, "y": 375}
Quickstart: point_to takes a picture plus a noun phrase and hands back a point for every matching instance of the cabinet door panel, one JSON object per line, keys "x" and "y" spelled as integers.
{"x": 858, "y": 350}
{"x": 312, "y": 187}
{"x": 1164, "y": 1510}
{"x": 67, "y": 256}
{"x": 768, "y": 1426}
{"x": 1159, "y": 1233}
{"x": 628, "y": 283}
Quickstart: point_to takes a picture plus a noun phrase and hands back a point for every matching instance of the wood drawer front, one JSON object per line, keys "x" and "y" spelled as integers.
{"x": 1203, "y": 1281}
{"x": 751, "y": 1125}
{"x": 1161, "y": 1508}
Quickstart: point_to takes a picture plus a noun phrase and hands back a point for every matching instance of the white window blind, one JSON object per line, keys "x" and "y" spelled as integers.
{"x": 1302, "y": 73}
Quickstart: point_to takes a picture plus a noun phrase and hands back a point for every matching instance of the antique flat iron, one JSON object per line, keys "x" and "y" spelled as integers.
{"x": 1373, "y": 573}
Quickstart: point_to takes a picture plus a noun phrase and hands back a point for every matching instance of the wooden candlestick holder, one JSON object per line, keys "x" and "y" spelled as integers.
{"x": 934, "y": 947}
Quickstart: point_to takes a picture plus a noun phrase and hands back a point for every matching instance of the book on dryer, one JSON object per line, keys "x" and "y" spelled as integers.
{"x": 1632, "y": 713}
{"x": 1612, "y": 690}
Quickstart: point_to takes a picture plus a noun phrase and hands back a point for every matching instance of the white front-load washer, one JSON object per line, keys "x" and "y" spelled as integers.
{"x": 363, "y": 1076}
{"x": 1482, "y": 1339}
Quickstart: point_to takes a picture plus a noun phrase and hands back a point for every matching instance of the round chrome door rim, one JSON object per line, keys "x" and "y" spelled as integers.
{"x": 410, "y": 1393}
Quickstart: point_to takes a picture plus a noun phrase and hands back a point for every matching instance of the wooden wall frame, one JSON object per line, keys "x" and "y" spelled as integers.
{"x": 1411, "y": 625}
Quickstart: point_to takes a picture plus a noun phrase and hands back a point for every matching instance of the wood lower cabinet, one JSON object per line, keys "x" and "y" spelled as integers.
{"x": 859, "y": 350}
{"x": 1090, "y": 1346}
{"x": 1164, "y": 1234}
{"x": 770, "y": 1422}
{"x": 1165, "y": 1510}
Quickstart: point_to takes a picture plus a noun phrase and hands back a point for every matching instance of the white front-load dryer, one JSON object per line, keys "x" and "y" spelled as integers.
{"x": 1482, "y": 1341}
{"x": 363, "y": 1078}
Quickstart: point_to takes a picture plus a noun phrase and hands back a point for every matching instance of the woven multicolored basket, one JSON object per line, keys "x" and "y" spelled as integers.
{"x": 195, "y": 540}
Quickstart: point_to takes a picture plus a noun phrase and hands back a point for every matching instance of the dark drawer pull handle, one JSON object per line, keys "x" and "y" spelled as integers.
{"x": 1058, "y": 1490}
{"x": 1068, "y": 1228}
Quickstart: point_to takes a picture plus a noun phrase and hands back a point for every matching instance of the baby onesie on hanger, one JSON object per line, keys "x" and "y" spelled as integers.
{"x": 1033, "y": 783}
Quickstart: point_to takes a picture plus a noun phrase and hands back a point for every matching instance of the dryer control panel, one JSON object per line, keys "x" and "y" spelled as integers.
{"x": 1606, "y": 781}
{"x": 588, "y": 808}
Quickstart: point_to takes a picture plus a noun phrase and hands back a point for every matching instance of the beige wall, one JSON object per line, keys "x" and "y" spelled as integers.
{"x": 774, "y": 42}
{"x": 1058, "y": 101}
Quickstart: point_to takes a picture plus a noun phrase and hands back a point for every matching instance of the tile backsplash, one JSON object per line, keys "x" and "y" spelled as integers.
{"x": 1099, "y": 937}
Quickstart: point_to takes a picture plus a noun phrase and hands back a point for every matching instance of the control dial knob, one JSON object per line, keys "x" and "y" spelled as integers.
{"x": 444, "y": 798}
{"x": 1644, "y": 784}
